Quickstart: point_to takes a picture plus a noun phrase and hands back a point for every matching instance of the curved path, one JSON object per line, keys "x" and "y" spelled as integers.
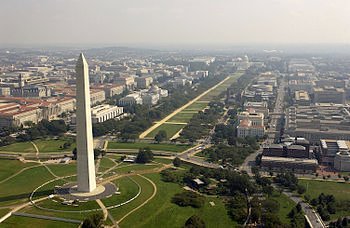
{"x": 19, "y": 172}
{"x": 145, "y": 202}
{"x": 155, "y": 126}
{"x": 36, "y": 149}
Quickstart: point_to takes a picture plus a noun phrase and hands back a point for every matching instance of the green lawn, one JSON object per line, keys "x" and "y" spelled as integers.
{"x": 182, "y": 117}
{"x": 196, "y": 106}
{"x": 52, "y": 145}
{"x": 18, "y": 188}
{"x": 25, "y": 222}
{"x": 22, "y": 147}
{"x": 63, "y": 169}
{"x": 4, "y": 212}
{"x": 44, "y": 146}
{"x": 106, "y": 163}
{"x": 214, "y": 93}
{"x": 341, "y": 191}
{"x": 170, "y": 129}
{"x": 58, "y": 206}
{"x": 135, "y": 167}
{"x": 163, "y": 160}
{"x": 10, "y": 167}
{"x": 286, "y": 205}
{"x": 160, "y": 212}
{"x": 127, "y": 188}
{"x": 152, "y": 146}
{"x": 146, "y": 192}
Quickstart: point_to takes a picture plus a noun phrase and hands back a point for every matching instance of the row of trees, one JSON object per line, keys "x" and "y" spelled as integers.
{"x": 201, "y": 123}
{"x": 227, "y": 154}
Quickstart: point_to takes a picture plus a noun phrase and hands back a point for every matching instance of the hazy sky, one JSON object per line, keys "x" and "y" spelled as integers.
{"x": 174, "y": 21}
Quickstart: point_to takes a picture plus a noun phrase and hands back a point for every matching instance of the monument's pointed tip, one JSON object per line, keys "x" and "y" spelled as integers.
{"x": 81, "y": 58}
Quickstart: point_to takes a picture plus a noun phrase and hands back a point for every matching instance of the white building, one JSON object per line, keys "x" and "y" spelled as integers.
{"x": 150, "y": 99}
{"x": 250, "y": 124}
{"x": 342, "y": 161}
{"x": 259, "y": 107}
{"x": 105, "y": 112}
{"x": 156, "y": 90}
{"x": 131, "y": 99}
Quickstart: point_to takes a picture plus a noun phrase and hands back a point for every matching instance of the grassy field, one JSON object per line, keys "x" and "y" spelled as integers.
{"x": 127, "y": 189}
{"x": 44, "y": 146}
{"x": 25, "y": 222}
{"x": 4, "y": 212}
{"x": 58, "y": 206}
{"x": 196, "y": 106}
{"x": 63, "y": 169}
{"x": 52, "y": 145}
{"x": 341, "y": 191}
{"x": 152, "y": 146}
{"x": 286, "y": 205}
{"x": 182, "y": 117}
{"x": 18, "y": 188}
{"x": 10, "y": 167}
{"x": 163, "y": 160}
{"x": 21, "y": 147}
{"x": 170, "y": 129}
{"x": 160, "y": 212}
{"x": 134, "y": 167}
{"x": 106, "y": 163}
{"x": 147, "y": 191}
{"x": 214, "y": 93}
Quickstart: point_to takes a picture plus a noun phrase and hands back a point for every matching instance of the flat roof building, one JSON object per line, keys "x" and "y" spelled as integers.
{"x": 302, "y": 98}
{"x": 294, "y": 164}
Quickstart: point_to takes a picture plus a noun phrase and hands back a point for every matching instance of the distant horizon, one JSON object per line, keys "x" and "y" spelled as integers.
{"x": 287, "y": 47}
{"x": 88, "y": 22}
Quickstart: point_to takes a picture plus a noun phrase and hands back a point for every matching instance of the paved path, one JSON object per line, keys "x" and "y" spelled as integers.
{"x": 46, "y": 217}
{"x": 145, "y": 202}
{"x": 104, "y": 209}
{"x": 311, "y": 215}
{"x": 155, "y": 126}
{"x": 19, "y": 172}
{"x": 36, "y": 149}
{"x": 19, "y": 207}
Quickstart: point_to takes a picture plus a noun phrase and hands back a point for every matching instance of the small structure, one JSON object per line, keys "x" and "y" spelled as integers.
{"x": 130, "y": 158}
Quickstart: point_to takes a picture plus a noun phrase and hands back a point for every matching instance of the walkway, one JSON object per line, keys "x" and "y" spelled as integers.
{"x": 46, "y": 217}
{"x": 145, "y": 202}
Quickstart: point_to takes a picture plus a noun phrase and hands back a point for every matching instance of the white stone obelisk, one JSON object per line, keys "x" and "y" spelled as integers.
{"x": 85, "y": 147}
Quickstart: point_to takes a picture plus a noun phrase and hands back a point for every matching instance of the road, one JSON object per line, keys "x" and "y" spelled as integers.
{"x": 278, "y": 112}
{"x": 312, "y": 217}
{"x": 273, "y": 134}
{"x": 155, "y": 126}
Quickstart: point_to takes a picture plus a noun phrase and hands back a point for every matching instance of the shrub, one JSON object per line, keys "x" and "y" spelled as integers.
{"x": 188, "y": 198}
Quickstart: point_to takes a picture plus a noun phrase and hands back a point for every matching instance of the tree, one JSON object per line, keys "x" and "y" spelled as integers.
{"x": 188, "y": 198}
{"x": 93, "y": 221}
{"x": 301, "y": 189}
{"x": 160, "y": 136}
{"x": 194, "y": 222}
{"x": 177, "y": 162}
{"x": 144, "y": 155}
{"x": 74, "y": 152}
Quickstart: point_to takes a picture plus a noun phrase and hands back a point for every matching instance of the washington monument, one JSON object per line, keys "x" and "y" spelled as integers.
{"x": 85, "y": 146}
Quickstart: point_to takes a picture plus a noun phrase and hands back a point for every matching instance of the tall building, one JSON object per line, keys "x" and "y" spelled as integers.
{"x": 85, "y": 147}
